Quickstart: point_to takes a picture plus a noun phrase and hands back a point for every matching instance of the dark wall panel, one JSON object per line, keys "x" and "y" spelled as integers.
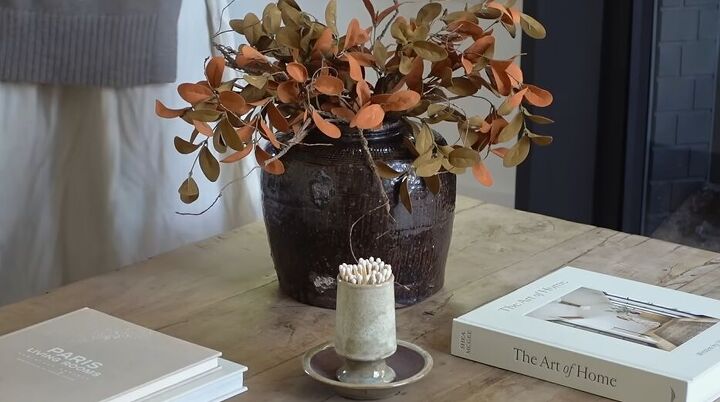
{"x": 559, "y": 180}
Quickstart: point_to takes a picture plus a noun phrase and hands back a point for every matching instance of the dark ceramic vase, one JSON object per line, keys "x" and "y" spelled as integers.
{"x": 310, "y": 209}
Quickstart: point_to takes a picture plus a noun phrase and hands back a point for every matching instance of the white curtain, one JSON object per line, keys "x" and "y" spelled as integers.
{"x": 89, "y": 176}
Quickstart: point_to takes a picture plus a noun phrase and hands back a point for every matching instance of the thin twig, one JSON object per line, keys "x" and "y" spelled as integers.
{"x": 375, "y": 171}
{"x": 352, "y": 227}
{"x": 222, "y": 12}
{"x": 387, "y": 24}
{"x": 220, "y": 194}
{"x": 294, "y": 141}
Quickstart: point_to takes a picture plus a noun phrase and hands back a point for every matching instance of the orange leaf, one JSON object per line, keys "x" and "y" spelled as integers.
{"x": 203, "y": 128}
{"x": 479, "y": 47}
{"x": 194, "y": 93}
{"x": 288, "y": 91}
{"x": 355, "y": 69}
{"x": 363, "y": 92}
{"x": 515, "y": 73}
{"x": 538, "y": 96}
{"x": 245, "y": 133}
{"x": 214, "y": 71}
{"x": 364, "y": 59}
{"x": 252, "y": 53}
{"x": 329, "y": 85}
{"x": 370, "y": 9}
{"x": 501, "y": 79}
{"x": 515, "y": 13}
{"x": 325, "y": 126}
{"x": 233, "y": 102}
{"x": 355, "y": 35}
{"x": 500, "y": 151}
{"x": 324, "y": 44}
{"x": 238, "y": 155}
{"x": 163, "y": 111}
{"x": 414, "y": 77}
{"x": 369, "y": 116}
{"x": 260, "y": 102}
{"x": 496, "y": 126}
{"x": 402, "y": 100}
{"x": 497, "y": 6}
{"x": 343, "y": 113}
{"x": 384, "y": 13}
{"x": 512, "y": 102}
{"x": 482, "y": 174}
{"x": 297, "y": 71}
{"x": 275, "y": 167}
{"x": 467, "y": 64}
{"x": 380, "y": 98}
{"x": 277, "y": 119}
{"x": 466, "y": 28}
{"x": 269, "y": 134}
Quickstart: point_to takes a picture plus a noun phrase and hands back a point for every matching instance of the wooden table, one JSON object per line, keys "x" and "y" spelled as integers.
{"x": 222, "y": 293}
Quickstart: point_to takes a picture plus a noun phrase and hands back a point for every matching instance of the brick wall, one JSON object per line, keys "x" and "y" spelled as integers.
{"x": 686, "y": 58}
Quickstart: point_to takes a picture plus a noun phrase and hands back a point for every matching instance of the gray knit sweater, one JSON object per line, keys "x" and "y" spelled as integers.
{"x": 116, "y": 43}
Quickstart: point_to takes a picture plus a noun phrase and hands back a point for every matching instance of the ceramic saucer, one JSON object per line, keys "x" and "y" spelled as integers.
{"x": 410, "y": 362}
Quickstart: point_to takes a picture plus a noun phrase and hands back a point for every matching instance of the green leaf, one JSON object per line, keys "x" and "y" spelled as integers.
{"x": 202, "y": 115}
{"x": 218, "y": 142}
{"x": 209, "y": 165}
{"x": 432, "y": 183}
{"x": 517, "y": 154}
{"x": 538, "y": 119}
{"x": 272, "y": 18}
{"x": 410, "y": 146}
{"x": 427, "y": 166}
{"x": 252, "y": 28}
{"x": 511, "y": 131}
{"x": 237, "y": 25}
{"x": 290, "y": 14}
{"x": 462, "y": 86}
{"x": 380, "y": 54}
{"x": 258, "y": 81}
{"x": 185, "y": 147}
{"x": 532, "y": 27}
{"x": 230, "y": 136}
{"x": 386, "y": 172}
{"x": 463, "y": 157}
{"x": 541, "y": 140}
{"x": 429, "y": 51}
{"x": 331, "y": 16}
{"x": 428, "y": 13}
{"x": 424, "y": 140}
{"x": 189, "y": 191}
{"x": 405, "y": 195}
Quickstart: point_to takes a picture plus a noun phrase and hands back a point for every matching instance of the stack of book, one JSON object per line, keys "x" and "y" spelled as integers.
{"x": 613, "y": 337}
{"x": 87, "y": 355}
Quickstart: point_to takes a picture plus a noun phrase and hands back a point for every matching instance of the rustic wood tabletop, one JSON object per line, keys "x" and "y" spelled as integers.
{"x": 222, "y": 293}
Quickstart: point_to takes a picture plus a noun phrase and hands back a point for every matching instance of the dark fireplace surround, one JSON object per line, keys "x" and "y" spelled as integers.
{"x": 637, "y": 116}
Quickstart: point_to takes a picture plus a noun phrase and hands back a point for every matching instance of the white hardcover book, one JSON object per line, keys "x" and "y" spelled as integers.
{"x": 218, "y": 384}
{"x": 609, "y": 336}
{"x": 90, "y": 356}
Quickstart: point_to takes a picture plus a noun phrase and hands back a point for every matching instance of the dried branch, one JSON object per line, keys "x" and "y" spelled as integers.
{"x": 390, "y": 21}
{"x": 220, "y": 194}
{"x": 376, "y": 173}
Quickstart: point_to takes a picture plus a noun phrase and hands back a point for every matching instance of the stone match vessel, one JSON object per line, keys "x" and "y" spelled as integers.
{"x": 365, "y": 322}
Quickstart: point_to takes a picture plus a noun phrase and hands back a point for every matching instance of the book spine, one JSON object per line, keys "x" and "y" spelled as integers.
{"x": 564, "y": 367}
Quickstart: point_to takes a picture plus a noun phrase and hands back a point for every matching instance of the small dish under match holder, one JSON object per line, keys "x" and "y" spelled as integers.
{"x": 366, "y": 360}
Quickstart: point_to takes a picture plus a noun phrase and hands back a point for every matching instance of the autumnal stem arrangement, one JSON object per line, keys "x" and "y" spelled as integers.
{"x": 299, "y": 74}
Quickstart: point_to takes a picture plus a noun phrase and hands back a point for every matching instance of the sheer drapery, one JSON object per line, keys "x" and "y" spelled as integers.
{"x": 89, "y": 176}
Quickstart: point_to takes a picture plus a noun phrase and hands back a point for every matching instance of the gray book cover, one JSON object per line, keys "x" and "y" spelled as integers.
{"x": 87, "y": 355}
